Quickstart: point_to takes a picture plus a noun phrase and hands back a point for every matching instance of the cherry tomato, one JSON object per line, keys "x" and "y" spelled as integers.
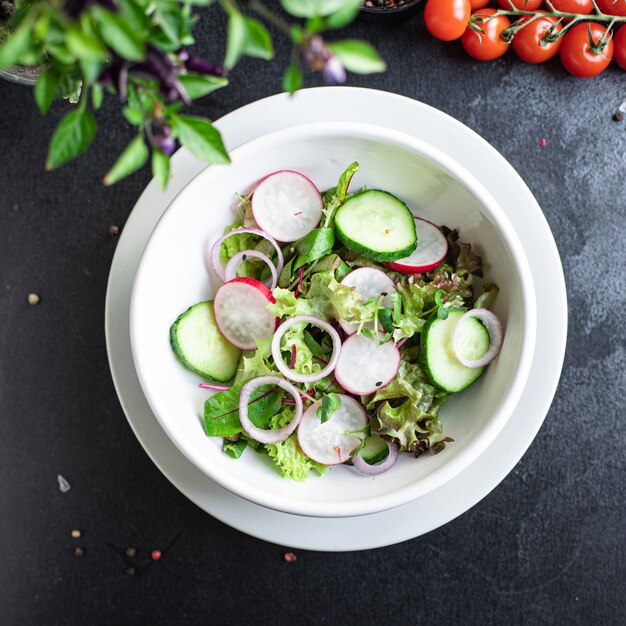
{"x": 522, "y": 5}
{"x": 479, "y": 4}
{"x": 447, "y": 19}
{"x": 490, "y": 45}
{"x": 612, "y": 7}
{"x": 576, "y": 53}
{"x": 619, "y": 43}
{"x": 527, "y": 41}
{"x": 583, "y": 7}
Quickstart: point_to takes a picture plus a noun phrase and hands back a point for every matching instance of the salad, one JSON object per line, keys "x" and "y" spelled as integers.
{"x": 342, "y": 325}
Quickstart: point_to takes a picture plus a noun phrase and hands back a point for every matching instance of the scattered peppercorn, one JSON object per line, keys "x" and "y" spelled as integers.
{"x": 33, "y": 298}
{"x": 618, "y": 116}
{"x": 131, "y": 552}
{"x": 290, "y": 557}
{"x": 78, "y": 551}
{"x": 76, "y": 534}
{"x": 114, "y": 230}
{"x": 379, "y": 383}
{"x": 155, "y": 555}
{"x": 542, "y": 142}
{"x": 130, "y": 571}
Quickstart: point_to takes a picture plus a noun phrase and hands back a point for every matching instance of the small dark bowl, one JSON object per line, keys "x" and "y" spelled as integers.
{"x": 390, "y": 13}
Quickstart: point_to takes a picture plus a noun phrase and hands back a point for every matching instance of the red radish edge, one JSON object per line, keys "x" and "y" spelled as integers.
{"x": 405, "y": 267}
{"x": 256, "y": 284}
{"x": 260, "y": 222}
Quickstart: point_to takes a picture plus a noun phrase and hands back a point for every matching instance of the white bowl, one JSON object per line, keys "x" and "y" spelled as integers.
{"x": 173, "y": 275}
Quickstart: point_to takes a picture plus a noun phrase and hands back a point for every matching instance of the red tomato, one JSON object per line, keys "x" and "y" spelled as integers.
{"x": 584, "y": 7}
{"x": 619, "y": 43}
{"x": 446, "y": 19}
{"x": 612, "y": 7}
{"x": 527, "y": 42}
{"x": 576, "y": 53}
{"x": 488, "y": 46}
{"x": 522, "y": 5}
{"x": 478, "y": 4}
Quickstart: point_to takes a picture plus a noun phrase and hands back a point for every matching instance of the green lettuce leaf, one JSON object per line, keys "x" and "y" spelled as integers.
{"x": 234, "y": 449}
{"x": 326, "y": 298}
{"x": 305, "y": 363}
{"x": 335, "y": 197}
{"x": 257, "y": 363}
{"x": 408, "y": 409}
{"x": 291, "y": 461}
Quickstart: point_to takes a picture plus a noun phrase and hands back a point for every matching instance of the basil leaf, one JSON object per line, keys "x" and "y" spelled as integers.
{"x": 312, "y": 8}
{"x": 234, "y": 449}
{"x": 134, "y": 156}
{"x": 259, "y": 42}
{"x": 358, "y": 56}
{"x": 16, "y": 45}
{"x": 330, "y": 403}
{"x": 83, "y": 46}
{"x": 160, "y": 168}
{"x": 45, "y": 89}
{"x": 119, "y": 35}
{"x": 200, "y": 137}
{"x": 198, "y": 85}
{"x": 317, "y": 244}
{"x": 346, "y": 14}
{"x": 237, "y": 39}
{"x": 71, "y": 138}
{"x": 292, "y": 79}
{"x": 97, "y": 95}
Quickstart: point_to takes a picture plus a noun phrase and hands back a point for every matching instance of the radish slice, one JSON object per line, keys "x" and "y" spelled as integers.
{"x": 260, "y": 434}
{"x": 287, "y": 205}
{"x": 216, "y": 263}
{"x": 368, "y": 281}
{"x": 431, "y": 250}
{"x": 329, "y": 443}
{"x": 365, "y": 366}
{"x": 278, "y": 357}
{"x": 363, "y": 466}
{"x": 236, "y": 260}
{"x": 496, "y": 335}
{"x": 241, "y": 315}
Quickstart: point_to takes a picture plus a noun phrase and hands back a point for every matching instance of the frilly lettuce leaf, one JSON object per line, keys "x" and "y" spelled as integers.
{"x": 257, "y": 362}
{"x": 305, "y": 359}
{"x": 291, "y": 461}
{"x": 326, "y": 298}
{"x": 408, "y": 410}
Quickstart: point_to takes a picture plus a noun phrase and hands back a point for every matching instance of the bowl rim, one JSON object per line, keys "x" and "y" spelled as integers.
{"x": 474, "y": 448}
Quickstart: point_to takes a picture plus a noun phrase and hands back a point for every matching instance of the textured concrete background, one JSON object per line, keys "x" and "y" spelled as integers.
{"x": 546, "y": 547}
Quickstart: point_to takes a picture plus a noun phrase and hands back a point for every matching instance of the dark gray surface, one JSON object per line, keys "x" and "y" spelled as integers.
{"x": 546, "y": 547}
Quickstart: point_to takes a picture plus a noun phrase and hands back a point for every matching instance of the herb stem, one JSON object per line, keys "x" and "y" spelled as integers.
{"x": 271, "y": 17}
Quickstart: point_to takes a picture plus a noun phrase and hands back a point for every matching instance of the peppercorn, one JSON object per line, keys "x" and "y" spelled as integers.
{"x": 290, "y": 557}
{"x": 78, "y": 551}
{"x": 131, "y": 552}
{"x": 114, "y": 230}
{"x": 618, "y": 116}
{"x": 76, "y": 534}
{"x": 155, "y": 555}
{"x": 33, "y": 298}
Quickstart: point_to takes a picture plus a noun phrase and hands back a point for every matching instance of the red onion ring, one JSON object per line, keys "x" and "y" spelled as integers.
{"x": 234, "y": 262}
{"x": 260, "y": 434}
{"x": 496, "y": 335}
{"x": 216, "y": 264}
{"x": 278, "y": 358}
{"x": 215, "y": 387}
{"x": 363, "y": 466}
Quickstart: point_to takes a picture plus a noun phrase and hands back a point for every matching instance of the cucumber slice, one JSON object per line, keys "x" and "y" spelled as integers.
{"x": 377, "y": 225}
{"x": 442, "y": 366}
{"x": 375, "y": 450}
{"x": 199, "y": 345}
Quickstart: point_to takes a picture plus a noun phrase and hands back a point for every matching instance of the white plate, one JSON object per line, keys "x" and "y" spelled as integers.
{"x": 446, "y": 502}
